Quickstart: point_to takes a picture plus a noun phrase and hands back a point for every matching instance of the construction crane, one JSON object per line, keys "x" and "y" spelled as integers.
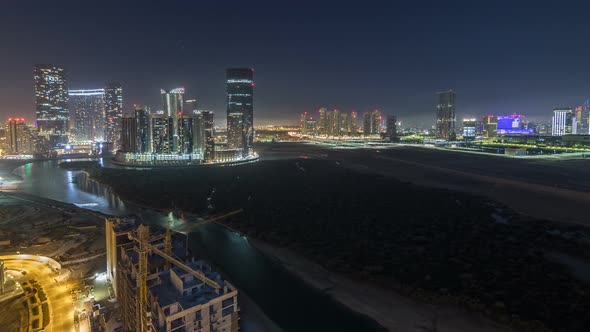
{"x": 143, "y": 247}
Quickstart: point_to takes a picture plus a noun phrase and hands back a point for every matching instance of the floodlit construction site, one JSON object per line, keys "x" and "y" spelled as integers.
{"x": 159, "y": 287}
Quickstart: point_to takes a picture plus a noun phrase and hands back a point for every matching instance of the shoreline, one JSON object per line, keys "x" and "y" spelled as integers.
{"x": 391, "y": 310}
{"x": 253, "y": 318}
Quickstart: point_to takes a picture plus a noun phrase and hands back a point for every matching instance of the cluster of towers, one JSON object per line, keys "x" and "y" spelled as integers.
{"x": 64, "y": 115}
{"x": 96, "y": 114}
{"x": 173, "y": 131}
{"x": 570, "y": 121}
{"x": 182, "y": 130}
{"x": 338, "y": 124}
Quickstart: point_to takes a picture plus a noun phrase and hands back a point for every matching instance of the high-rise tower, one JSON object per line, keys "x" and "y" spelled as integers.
{"x": 445, "y": 115}
{"x": 51, "y": 100}
{"x": 172, "y": 103}
{"x": 88, "y": 116}
{"x": 563, "y": 121}
{"x": 113, "y": 101}
{"x": 240, "y": 109}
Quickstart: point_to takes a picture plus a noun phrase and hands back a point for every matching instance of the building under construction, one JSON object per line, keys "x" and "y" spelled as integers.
{"x": 160, "y": 289}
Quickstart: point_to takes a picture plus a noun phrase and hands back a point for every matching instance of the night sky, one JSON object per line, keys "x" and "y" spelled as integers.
{"x": 500, "y": 57}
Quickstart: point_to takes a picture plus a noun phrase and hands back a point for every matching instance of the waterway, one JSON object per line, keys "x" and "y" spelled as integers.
{"x": 285, "y": 299}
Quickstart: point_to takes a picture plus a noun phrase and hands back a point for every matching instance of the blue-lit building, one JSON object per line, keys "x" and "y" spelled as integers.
{"x": 512, "y": 125}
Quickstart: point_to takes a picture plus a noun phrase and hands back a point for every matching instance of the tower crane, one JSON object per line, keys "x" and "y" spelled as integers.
{"x": 143, "y": 246}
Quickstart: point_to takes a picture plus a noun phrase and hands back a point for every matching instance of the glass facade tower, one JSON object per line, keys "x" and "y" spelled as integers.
{"x": 445, "y": 115}
{"x": 113, "y": 112}
{"x": 51, "y": 99}
{"x": 88, "y": 114}
{"x": 240, "y": 109}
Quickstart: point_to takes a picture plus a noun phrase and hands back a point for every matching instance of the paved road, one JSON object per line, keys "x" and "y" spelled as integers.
{"x": 60, "y": 305}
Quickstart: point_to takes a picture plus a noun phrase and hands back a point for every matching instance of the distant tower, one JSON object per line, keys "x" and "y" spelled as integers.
{"x": 51, "y": 100}
{"x": 143, "y": 129}
{"x": 322, "y": 125}
{"x": 490, "y": 126}
{"x": 333, "y": 123}
{"x": 344, "y": 125}
{"x": 563, "y": 121}
{"x": 366, "y": 124}
{"x": 18, "y": 137}
{"x": 198, "y": 133}
{"x": 87, "y": 108}
{"x": 113, "y": 101}
{"x": 190, "y": 105}
{"x": 354, "y": 124}
{"x": 445, "y": 115}
{"x": 376, "y": 122}
{"x": 128, "y": 138}
{"x": 240, "y": 109}
{"x": 583, "y": 118}
{"x": 185, "y": 134}
{"x": 209, "y": 135}
{"x": 303, "y": 123}
{"x": 391, "y": 132}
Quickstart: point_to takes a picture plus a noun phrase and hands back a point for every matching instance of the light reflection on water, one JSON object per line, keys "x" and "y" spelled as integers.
{"x": 282, "y": 296}
{"x": 47, "y": 180}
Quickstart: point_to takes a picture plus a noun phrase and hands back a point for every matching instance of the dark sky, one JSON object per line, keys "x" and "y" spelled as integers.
{"x": 500, "y": 56}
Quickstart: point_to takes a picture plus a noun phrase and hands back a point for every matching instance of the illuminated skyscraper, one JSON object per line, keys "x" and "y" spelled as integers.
{"x": 322, "y": 125}
{"x": 209, "y": 134}
{"x": 333, "y": 123}
{"x": 128, "y": 138}
{"x": 344, "y": 125}
{"x": 185, "y": 134}
{"x": 563, "y": 121}
{"x": 303, "y": 122}
{"x": 240, "y": 109}
{"x": 172, "y": 103}
{"x": 51, "y": 100}
{"x": 490, "y": 126}
{"x": 445, "y": 115}
{"x": 19, "y": 138}
{"x": 88, "y": 114}
{"x": 354, "y": 124}
{"x": 113, "y": 100}
{"x": 310, "y": 126}
{"x": 190, "y": 105}
{"x": 469, "y": 129}
{"x": 391, "y": 132}
{"x": 582, "y": 118}
{"x": 371, "y": 123}
{"x": 376, "y": 122}
{"x": 142, "y": 121}
{"x": 162, "y": 128}
{"x": 366, "y": 124}
{"x": 198, "y": 132}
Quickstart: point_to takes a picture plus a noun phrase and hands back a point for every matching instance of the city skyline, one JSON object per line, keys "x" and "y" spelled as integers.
{"x": 302, "y": 69}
